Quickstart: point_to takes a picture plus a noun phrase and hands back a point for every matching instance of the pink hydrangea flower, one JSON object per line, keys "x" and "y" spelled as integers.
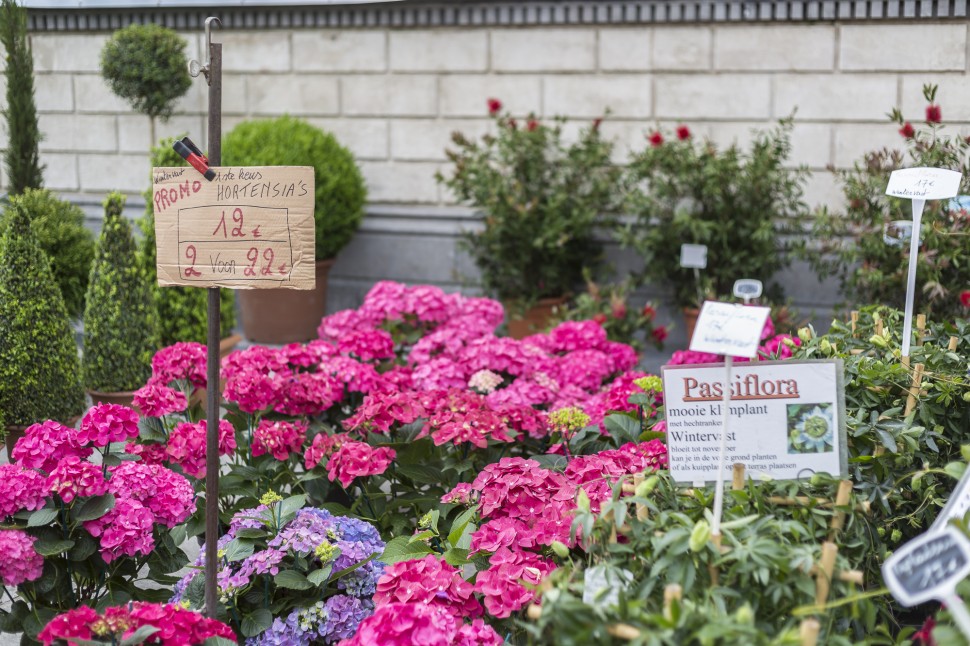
{"x": 367, "y": 345}
{"x": 44, "y": 445}
{"x": 149, "y": 453}
{"x": 181, "y": 362}
{"x": 155, "y": 399}
{"x": 73, "y": 624}
{"x": 779, "y": 347}
{"x": 356, "y": 376}
{"x": 461, "y": 416}
{"x": 380, "y": 410}
{"x": 597, "y": 473}
{"x": 429, "y": 580}
{"x": 20, "y": 488}
{"x": 18, "y": 560}
{"x": 72, "y": 478}
{"x": 107, "y": 423}
{"x": 501, "y": 584}
{"x": 338, "y": 324}
{"x": 126, "y": 530}
{"x": 407, "y": 624}
{"x": 278, "y": 438}
{"x": 177, "y": 626}
{"x": 169, "y": 496}
{"x": 308, "y": 393}
{"x": 687, "y": 357}
{"x": 571, "y": 336}
{"x": 186, "y": 445}
{"x": 478, "y": 633}
{"x": 322, "y": 447}
{"x": 354, "y": 459}
{"x": 462, "y": 494}
{"x": 252, "y": 390}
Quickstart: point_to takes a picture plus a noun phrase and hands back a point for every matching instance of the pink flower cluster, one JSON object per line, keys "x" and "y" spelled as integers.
{"x": 354, "y": 459}
{"x": 597, "y": 473}
{"x": 20, "y": 488}
{"x": 186, "y": 445}
{"x": 501, "y": 584}
{"x": 429, "y": 580}
{"x": 169, "y": 496}
{"x": 382, "y": 409}
{"x": 418, "y": 624}
{"x": 106, "y": 423}
{"x": 458, "y": 416}
{"x": 126, "y": 530}
{"x": 279, "y": 439}
{"x": 176, "y": 625}
{"x": 18, "y": 560}
{"x": 181, "y": 362}
{"x": 322, "y": 447}
{"x": 155, "y": 399}
{"x": 72, "y": 478}
{"x": 44, "y": 445}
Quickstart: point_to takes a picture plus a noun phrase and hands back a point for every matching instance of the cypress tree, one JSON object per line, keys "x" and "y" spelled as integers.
{"x": 22, "y": 160}
{"x": 120, "y": 320}
{"x": 39, "y": 369}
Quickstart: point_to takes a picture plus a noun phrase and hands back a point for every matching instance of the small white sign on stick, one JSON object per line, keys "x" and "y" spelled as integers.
{"x": 957, "y": 506}
{"x": 693, "y": 256}
{"x": 924, "y": 183}
{"x": 729, "y": 328}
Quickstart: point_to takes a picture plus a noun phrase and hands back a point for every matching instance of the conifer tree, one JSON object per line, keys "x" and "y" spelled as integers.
{"x": 22, "y": 159}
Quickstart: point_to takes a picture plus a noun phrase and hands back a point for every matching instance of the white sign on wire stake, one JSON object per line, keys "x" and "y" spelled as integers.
{"x": 919, "y": 185}
{"x": 732, "y": 330}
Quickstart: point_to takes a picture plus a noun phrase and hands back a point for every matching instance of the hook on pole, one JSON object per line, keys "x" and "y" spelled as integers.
{"x": 195, "y": 67}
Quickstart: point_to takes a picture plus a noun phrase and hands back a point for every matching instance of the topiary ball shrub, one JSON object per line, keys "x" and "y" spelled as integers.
{"x": 120, "y": 330}
{"x": 146, "y": 66}
{"x": 69, "y": 245}
{"x": 181, "y": 310}
{"x": 286, "y": 141}
{"x": 39, "y": 370}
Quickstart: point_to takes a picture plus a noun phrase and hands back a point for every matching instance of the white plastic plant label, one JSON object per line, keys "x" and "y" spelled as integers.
{"x": 602, "y": 585}
{"x": 729, "y": 328}
{"x": 693, "y": 256}
{"x": 924, "y": 183}
{"x": 928, "y": 567}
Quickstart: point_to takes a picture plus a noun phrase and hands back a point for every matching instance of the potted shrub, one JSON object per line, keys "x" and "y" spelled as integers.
{"x": 146, "y": 66}
{"x": 339, "y": 199}
{"x": 737, "y": 203}
{"x": 69, "y": 245}
{"x": 21, "y": 158}
{"x": 541, "y": 201}
{"x": 863, "y": 247}
{"x": 39, "y": 372}
{"x": 181, "y": 310}
{"x": 120, "y": 329}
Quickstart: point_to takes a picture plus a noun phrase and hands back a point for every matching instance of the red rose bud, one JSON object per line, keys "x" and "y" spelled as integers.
{"x": 965, "y": 298}
{"x": 531, "y": 125}
{"x": 683, "y": 132}
{"x": 660, "y": 334}
{"x": 599, "y": 318}
{"x": 619, "y": 310}
{"x": 649, "y": 313}
{"x": 655, "y": 138}
{"x": 494, "y": 106}
{"x": 907, "y": 130}
{"x": 933, "y": 113}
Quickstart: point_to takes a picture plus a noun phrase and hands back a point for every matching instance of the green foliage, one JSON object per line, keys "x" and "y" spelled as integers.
{"x": 852, "y": 246}
{"x": 22, "y": 159}
{"x": 146, "y": 66}
{"x": 340, "y": 192}
{"x": 69, "y": 245}
{"x": 687, "y": 191}
{"x": 39, "y": 372}
{"x": 120, "y": 329}
{"x": 182, "y": 311}
{"x": 542, "y": 201}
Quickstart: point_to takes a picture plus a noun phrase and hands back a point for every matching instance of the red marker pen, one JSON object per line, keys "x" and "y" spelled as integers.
{"x": 197, "y": 162}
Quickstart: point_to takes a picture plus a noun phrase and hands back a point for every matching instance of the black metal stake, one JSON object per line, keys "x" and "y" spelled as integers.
{"x": 213, "y": 394}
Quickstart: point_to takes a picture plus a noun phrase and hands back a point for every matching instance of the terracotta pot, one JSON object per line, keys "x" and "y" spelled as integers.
{"x": 279, "y": 316}
{"x": 122, "y": 398}
{"x": 226, "y": 346}
{"x": 13, "y": 433}
{"x": 533, "y": 320}
{"x": 690, "y": 321}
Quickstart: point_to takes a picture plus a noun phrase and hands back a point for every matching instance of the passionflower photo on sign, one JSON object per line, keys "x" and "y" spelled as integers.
{"x": 811, "y": 428}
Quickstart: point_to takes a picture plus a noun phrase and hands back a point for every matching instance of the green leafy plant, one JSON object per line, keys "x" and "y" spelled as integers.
{"x": 120, "y": 330}
{"x": 735, "y": 202}
{"x": 182, "y": 313}
{"x": 541, "y": 199}
{"x": 69, "y": 245}
{"x": 339, "y": 190}
{"x": 39, "y": 370}
{"x": 146, "y": 66}
{"x": 861, "y": 246}
{"x": 22, "y": 159}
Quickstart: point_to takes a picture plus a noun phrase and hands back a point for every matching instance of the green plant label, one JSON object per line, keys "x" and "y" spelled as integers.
{"x": 928, "y": 567}
{"x": 787, "y": 419}
{"x": 249, "y": 228}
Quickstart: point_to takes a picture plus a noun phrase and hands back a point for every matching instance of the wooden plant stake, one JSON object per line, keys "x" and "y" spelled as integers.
{"x": 841, "y": 500}
{"x": 737, "y": 476}
{"x": 914, "y": 388}
{"x": 808, "y": 632}
{"x": 823, "y": 579}
{"x": 920, "y": 328}
{"x": 952, "y": 347}
{"x": 672, "y": 592}
{"x": 642, "y": 511}
{"x": 854, "y": 316}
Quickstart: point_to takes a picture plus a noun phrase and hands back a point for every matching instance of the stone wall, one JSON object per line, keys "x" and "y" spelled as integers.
{"x": 393, "y": 94}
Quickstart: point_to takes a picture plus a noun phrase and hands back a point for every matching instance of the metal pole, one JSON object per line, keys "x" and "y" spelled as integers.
{"x": 213, "y": 393}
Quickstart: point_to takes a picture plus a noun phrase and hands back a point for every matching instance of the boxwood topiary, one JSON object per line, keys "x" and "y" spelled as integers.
{"x": 287, "y": 141}
{"x": 120, "y": 327}
{"x": 69, "y": 245}
{"x": 181, "y": 310}
{"x": 39, "y": 370}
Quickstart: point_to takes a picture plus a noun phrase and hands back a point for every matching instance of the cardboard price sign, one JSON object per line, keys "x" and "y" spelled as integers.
{"x": 249, "y": 228}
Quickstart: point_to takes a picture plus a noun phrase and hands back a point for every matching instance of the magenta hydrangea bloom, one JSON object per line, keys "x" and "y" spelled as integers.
{"x": 155, "y": 399}
{"x": 18, "y": 560}
{"x": 501, "y": 585}
{"x": 355, "y": 459}
{"x": 181, "y": 362}
{"x": 381, "y": 409}
{"x": 107, "y": 423}
{"x": 429, "y": 580}
{"x": 176, "y": 625}
{"x": 367, "y": 345}
{"x": 279, "y": 439}
{"x": 43, "y": 445}
{"x": 72, "y": 478}
{"x": 169, "y": 496}
{"x": 186, "y": 445}
{"x": 20, "y": 488}
{"x": 406, "y": 624}
{"x": 322, "y": 447}
{"x": 126, "y": 530}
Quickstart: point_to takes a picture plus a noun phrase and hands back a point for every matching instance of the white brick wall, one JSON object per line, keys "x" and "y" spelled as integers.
{"x": 393, "y": 96}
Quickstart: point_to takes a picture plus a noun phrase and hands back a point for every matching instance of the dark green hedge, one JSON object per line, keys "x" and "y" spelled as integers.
{"x": 39, "y": 372}
{"x": 69, "y": 245}
{"x": 181, "y": 310}
{"x": 120, "y": 319}
{"x": 286, "y": 141}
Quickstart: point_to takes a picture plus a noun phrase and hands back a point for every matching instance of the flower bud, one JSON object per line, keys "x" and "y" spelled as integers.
{"x": 966, "y": 396}
{"x": 745, "y": 615}
{"x": 825, "y": 346}
{"x": 878, "y": 340}
{"x": 645, "y": 488}
{"x": 700, "y": 535}
{"x": 805, "y": 333}
{"x": 895, "y": 536}
{"x": 560, "y": 549}
{"x": 582, "y": 501}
